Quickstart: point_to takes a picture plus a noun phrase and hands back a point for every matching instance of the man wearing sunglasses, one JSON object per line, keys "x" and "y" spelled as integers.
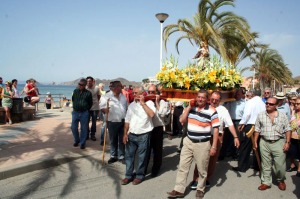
{"x": 274, "y": 129}
{"x": 267, "y": 94}
{"x": 156, "y": 135}
{"x": 82, "y": 102}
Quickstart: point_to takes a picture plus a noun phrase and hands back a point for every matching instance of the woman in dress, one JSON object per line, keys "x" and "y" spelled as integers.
{"x": 7, "y": 102}
{"x": 295, "y": 141}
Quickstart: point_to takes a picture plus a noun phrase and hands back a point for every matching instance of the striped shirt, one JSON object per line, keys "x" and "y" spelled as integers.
{"x": 201, "y": 122}
{"x": 269, "y": 130}
{"x": 82, "y": 100}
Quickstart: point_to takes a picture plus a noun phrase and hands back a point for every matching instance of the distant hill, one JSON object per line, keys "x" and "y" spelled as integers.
{"x": 104, "y": 81}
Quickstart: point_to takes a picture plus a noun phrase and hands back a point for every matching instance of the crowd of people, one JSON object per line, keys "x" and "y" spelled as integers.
{"x": 267, "y": 126}
{"x": 9, "y": 92}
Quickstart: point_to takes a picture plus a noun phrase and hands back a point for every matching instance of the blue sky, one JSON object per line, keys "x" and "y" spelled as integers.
{"x": 62, "y": 40}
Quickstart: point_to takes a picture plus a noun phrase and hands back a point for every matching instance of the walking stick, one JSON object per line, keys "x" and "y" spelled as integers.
{"x": 105, "y": 130}
{"x": 250, "y": 135}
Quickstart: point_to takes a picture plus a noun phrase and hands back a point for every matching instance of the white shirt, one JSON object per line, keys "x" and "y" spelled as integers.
{"x": 161, "y": 113}
{"x": 224, "y": 118}
{"x": 139, "y": 121}
{"x": 95, "y": 94}
{"x": 252, "y": 108}
{"x": 117, "y": 107}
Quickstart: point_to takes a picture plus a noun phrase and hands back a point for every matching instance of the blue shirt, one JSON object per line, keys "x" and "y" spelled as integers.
{"x": 284, "y": 108}
{"x": 236, "y": 109}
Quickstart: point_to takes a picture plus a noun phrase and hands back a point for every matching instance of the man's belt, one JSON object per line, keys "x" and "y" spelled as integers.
{"x": 271, "y": 141}
{"x": 200, "y": 140}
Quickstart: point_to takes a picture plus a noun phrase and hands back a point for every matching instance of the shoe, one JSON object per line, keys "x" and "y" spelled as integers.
{"x": 112, "y": 160}
{"x": 122, "y": 161}
{"x": 93, "y": 138}
{"x": 87, "y": 138}
{"x": 175, "y": 194}
{"x": 126, "y": 181}
{"x": 220, "y": 158}
{"x": 207, "y": 183}
{"x": 193, "y": 185}
{"x": 235, "y": 169}
{"x": 10, "y": 122}
{"x": 76, "y": 144}
{"x": 137, "y": 181}
{"x": 291, "y": 169}
{"x": 154, "y": 174}
{"x": 263, "y": 187}
{"x": 298, "y": 174}
{"x": 199, "y": 194}
{"x": 82, "y": 146}
{"x": 281, "y": 186}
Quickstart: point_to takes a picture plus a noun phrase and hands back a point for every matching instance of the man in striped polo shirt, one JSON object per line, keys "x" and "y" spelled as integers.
{"x": 202, "y": 119}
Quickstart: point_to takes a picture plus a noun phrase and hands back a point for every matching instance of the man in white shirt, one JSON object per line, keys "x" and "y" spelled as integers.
{"x": 94, "y": 111}
{"x": 116, "y": 115}
{"x": 156, "y": 140}
{"x": 252, "y": 108}
{"x": 138, "y": 125}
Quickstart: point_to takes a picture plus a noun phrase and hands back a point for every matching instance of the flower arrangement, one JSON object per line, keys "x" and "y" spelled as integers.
{"x": 215, "y": 75}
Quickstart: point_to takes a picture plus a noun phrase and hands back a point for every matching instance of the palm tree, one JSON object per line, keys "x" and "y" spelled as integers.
{"x": 209, "y": 26}
{"x": 269, "y": 67}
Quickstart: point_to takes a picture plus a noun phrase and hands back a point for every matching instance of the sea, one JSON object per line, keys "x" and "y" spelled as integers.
{"x": 58, "y": 92}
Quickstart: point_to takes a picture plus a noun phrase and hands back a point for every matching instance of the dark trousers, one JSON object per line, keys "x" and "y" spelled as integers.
{"x": 156, "y": 145}
{"x": 245, "y": 150}
{"x": 93, "y": 116}
{"x": 228, "y": 148}
{"x": 177, "y": 127}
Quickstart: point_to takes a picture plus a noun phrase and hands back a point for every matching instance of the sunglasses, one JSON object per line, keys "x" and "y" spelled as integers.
{"x": 267, "y": 92}
{"x": 81, "y": 84}
{"x": 151, "y": 92}
{"x": 270, "y": 104}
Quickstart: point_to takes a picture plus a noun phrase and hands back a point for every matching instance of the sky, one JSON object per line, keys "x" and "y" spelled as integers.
{"x": 62, "y": 40}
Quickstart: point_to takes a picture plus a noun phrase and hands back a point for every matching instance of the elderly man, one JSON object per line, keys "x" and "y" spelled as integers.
{"x": 225, "y": 121}
{"x": 274, "y": 129}
{"x": 116, "y": 115}
{"x": 236, "y": 110}
{"x": 138, "y": 126}
{"x": 252, "y": 108}
{"x": 94, "y": 111}
{"x": 156, "y": 140}
{"x": 282, "y": 106}
{"x": 202, "y": 120}
{"x": 82, "y": 103}
{"x": 267, "y": 94}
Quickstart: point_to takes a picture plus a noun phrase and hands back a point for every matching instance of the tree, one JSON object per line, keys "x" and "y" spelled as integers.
{"x": 209, "y": 26}
{"x": 269, "y": 67}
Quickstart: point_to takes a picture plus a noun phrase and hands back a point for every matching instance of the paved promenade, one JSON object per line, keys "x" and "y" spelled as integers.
{"x": 47, "y": 142}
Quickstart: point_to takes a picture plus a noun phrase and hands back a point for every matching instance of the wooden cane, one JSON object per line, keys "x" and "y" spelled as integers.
{"x": 105, "y": 131}
{"x": 251, "y": 133}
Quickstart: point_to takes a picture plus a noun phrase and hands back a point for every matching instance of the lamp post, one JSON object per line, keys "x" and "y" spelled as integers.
{"x": 253, "y": 78}
{"x": 161, "y": 18}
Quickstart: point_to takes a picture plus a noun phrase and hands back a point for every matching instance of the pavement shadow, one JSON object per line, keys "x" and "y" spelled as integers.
{"x": 57, "y": 144}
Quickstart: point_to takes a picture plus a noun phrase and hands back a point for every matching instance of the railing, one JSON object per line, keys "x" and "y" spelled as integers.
{"x": 59, "y": 97}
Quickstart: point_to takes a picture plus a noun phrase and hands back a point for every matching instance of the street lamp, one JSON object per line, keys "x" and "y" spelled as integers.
{"x": 161, "y": 18}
